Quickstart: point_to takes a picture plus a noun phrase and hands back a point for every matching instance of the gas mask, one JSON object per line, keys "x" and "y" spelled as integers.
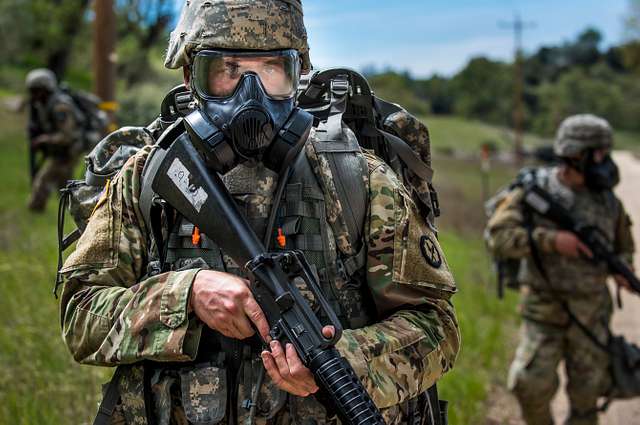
{"x": 598, "y": 176}
{"x": 603, "y": 175}
{"x": 247, "y": 108}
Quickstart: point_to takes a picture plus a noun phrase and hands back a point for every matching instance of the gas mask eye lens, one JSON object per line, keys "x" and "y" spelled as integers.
{"x": 217, "y": 73}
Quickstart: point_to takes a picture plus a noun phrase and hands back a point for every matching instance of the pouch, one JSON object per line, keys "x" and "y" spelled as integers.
{"x": 204, "y": 393}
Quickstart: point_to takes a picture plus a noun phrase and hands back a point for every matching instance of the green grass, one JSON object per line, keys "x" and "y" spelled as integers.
{"x": 39, "y": 382}
{"x": 458, "y": 134}
{"x": 488, "y": 327}
{"x": 454, "y": 133}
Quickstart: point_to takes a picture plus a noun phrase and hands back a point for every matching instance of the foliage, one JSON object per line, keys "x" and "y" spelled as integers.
{"x": 391, "y": 85}
{"x": 574, "y": 77}
{"x": 41, "y": 32}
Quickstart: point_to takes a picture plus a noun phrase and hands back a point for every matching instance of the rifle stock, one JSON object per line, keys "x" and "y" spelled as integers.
{"x": 183, "y": 181}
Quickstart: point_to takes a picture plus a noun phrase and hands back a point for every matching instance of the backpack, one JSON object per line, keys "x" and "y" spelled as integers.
{"x": 507, "y": 270}
{"x": 95, "y": 120}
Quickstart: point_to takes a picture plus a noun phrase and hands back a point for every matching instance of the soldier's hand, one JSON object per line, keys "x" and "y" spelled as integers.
{"x": 622, "y": 282}
{"x": 286, "y": 369}
{"x": 224, "y": 303}
{"x": 568, "y": 245}
{"x": 42, "y": 139}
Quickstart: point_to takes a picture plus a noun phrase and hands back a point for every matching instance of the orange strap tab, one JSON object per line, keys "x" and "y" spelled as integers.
{"x": 195, "y": 236}
{"x": 282, "y": 239}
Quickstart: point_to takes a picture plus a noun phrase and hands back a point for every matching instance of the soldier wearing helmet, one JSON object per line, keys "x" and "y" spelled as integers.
{"x": 184, "y": 329}
{"x": 55, "y": 136}
{"x": 583, "y": 183}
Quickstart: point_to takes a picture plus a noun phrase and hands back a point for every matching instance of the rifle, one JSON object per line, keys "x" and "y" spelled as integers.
{"x": 33, "y": 131}
{"x": 184, "y": 182}
{"x": 537, "y": 200}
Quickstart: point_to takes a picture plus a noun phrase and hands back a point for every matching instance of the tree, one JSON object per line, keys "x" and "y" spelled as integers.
{"x": 631, "y": 49}
{"x": 41, "y": 32}
{"x": 143, "y": 24}
{"x": 483, "y": 90}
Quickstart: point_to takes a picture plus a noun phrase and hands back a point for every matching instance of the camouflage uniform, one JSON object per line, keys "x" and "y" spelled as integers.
{"x": 59, "y": 122}
{"x": 116, "y": 311}
{"x": 547, "y": 335}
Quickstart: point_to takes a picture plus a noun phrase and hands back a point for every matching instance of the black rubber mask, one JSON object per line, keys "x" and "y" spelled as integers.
{"x": 600, "y": 176}
{"x": 249, "y": 125}
{"x": 250, "y": 119}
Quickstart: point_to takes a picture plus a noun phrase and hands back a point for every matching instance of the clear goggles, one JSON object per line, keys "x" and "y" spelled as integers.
{"x": 216, "y": 73}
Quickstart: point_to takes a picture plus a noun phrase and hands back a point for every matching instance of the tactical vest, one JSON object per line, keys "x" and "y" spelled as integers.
{"x": 288, "y": 214}
{"x": 574, "y": 275}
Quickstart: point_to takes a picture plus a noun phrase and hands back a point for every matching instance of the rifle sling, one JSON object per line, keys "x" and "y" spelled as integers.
{"x": 535, "y": 255}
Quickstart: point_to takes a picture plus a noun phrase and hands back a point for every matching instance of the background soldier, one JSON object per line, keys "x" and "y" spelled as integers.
{"x": 195, "y": 321}
{"x": 55, "y": 136}
{"x": 583, "y": 183}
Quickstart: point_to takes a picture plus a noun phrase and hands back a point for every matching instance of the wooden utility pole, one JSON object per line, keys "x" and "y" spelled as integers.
{"x": 517, "y": 25}
{"x": 104, "y": 55}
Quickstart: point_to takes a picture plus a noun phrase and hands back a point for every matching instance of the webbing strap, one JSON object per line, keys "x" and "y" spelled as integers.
{"x": 301, "y": 209}
{"x": 339, "y": 89}
{"x": 110, "y": 399}
{"x": 63, "y": 241}
{"x": 409, "y": 157}
{"x": 306, "y": 242}
{"x": 355, "y": 262}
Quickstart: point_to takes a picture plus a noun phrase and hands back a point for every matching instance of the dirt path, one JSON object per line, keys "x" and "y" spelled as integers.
{"x": 627, "y": 320}
{"x": 504, "y": 409}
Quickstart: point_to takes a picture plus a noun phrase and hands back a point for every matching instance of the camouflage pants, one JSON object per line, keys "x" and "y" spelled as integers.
{"x": 52, "y": 176}
{"x": 533, "y": 375}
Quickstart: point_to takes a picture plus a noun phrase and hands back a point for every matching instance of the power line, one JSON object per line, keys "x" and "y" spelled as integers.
{"x": 517, "y": 25}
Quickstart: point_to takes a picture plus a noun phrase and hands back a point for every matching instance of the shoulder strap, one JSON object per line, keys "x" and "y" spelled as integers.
{"x": 110, "y": 399}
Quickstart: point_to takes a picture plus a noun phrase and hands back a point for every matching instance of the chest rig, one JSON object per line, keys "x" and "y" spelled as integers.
{"x": 287, "y": 212}
{"x": 298, "y": 222}
{"x": 598, "y": 209}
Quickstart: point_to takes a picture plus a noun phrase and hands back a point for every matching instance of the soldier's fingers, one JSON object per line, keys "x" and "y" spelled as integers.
{"x": 272, "y": 370}
{"x": 328, "y": 331}
{"x": 583, "y": 249}
{"x": 299, "y": 371}
{"x": 255, "y": 314}
{"x": 281, "y": 362}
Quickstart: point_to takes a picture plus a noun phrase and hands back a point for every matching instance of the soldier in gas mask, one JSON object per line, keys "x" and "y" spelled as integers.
{"x": 558, "y": 277}
{"x": 183, "y": 330}
{"x": 55, "y": 136}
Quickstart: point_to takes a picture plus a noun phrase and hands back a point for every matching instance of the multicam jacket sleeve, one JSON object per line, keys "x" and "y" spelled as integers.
{"x": 407, "y": 273}
{"x": 109, "y": 314}
{"x": 506, "y": 235}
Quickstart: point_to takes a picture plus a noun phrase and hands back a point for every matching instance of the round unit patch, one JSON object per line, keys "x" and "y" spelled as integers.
{"x": 430, "y": 251}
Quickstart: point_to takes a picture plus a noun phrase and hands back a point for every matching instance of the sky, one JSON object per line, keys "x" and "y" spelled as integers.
{"x": 435, "y": 36}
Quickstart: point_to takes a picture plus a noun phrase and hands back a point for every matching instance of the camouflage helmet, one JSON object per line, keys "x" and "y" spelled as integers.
{"x": 238, "y": 24}
{"x": 578, "y": 133}
{"x": 41, "y": 78}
